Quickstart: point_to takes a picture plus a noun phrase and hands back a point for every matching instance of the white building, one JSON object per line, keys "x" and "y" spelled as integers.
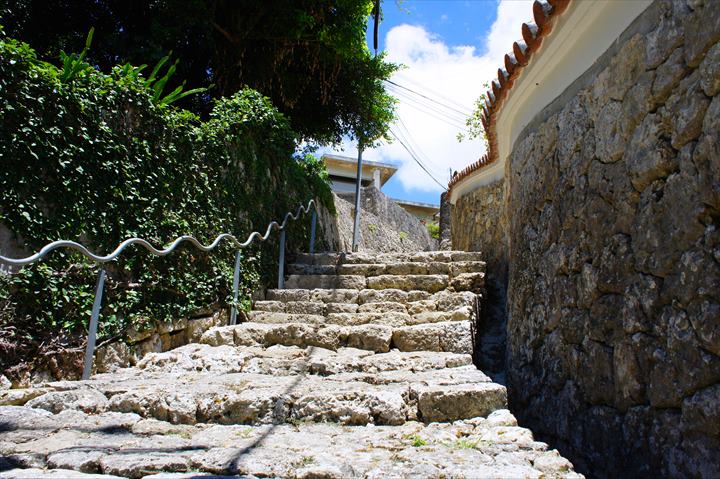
{"x": 343, "y": 173}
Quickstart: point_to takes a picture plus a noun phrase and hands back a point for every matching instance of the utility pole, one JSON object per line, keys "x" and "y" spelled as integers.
{"x": 356, "y": 226}
{"x": 358, "y": 178}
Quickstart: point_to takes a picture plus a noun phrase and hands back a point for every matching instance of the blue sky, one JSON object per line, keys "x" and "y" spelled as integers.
{"x": 449, "y": 48}
{"x": 456, "y": 22}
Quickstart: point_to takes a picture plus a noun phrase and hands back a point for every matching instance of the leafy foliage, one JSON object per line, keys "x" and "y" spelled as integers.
{"x": 72, "y": 65}
{"x": 309, "y": 57}
{"x": 157, "y": 84}
{"x": 475, "y": 128}
{"x": 125, "y": 32}
{"x": 95, "y": 158}
{"x": 434, "y": 229}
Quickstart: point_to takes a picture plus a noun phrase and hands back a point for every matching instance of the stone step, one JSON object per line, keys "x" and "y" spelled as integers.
{"x": 446, "y": 336}
{"x": 325, "y": 281}
{"x": 290, "y": 360}
{"x": 380, "y": 316}
{"x": 275, "y": 361}
{"x": 418, "y": 301}
{"x": 480, "y": 447}
{"x": 162, "y": 390}
{"x": 254, "y": 399}
{"x": 431, "y": 283}
{"x": 393, "y": 319}
{"x": 314, "y": 295}
{"x": 402, "y": 268}
{"x": 334, "y": 259}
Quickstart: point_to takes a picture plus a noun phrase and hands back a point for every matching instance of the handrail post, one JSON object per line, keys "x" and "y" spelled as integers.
{"x": 281, "y": 266}
{"x": 92, "y": 330}
{"x": 313, "y": 228}
{"x": 236, "y": 284}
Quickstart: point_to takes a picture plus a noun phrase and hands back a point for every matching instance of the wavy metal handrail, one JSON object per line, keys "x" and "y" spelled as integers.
{"x": 158, "y": 252}
{"x": 92, "y": 329}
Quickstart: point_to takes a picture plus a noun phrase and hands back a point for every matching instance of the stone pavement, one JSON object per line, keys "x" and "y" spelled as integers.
{"x": 361, "y": 368}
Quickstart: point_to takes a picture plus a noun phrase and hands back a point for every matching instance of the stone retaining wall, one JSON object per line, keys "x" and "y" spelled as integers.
{"x": 384, "y": 226}
{"x": 613, "y": 210}
{"x": 479, "y": 224}
{"x": 614, "y": 284}
{"x": 124, "y": 353}
{"x": 160, "y": 338}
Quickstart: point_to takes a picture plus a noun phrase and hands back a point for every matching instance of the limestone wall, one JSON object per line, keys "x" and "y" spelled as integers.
{"x": 613, "y": 200}
{"x": 67, "y": 364}
{"x": 478, "y": 223}
{"x": 159, "y": 338}
{"x": 384, "y": 226}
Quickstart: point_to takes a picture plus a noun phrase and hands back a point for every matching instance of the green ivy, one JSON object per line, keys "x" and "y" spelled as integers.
{"x": 434, "y": 229}
{"x": 94, "y": 159}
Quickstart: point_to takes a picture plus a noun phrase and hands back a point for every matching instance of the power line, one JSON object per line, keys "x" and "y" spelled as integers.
{"x": 415, "y": 146}
{"x": 438, "y": 115}
{"x": 428, "y": 108}
{"x": 464, "y": 114}
{"x": 450, "y": 115}
{"x": 435, "y": 93}
{"x": 414, "y": 157}
{"x": 416, "y": 160}
{"x": 405, "y": 139}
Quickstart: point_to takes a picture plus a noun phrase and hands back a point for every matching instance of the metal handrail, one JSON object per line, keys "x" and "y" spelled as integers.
{"x": 157, "y": 252}
{"x": 92, "y": 330}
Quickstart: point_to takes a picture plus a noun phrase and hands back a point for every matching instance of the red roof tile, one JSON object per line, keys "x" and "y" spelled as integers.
{"x": 545, "y": 12}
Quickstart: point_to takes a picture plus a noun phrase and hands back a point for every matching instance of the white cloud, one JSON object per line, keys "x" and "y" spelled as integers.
{"x": 507, "y": 28}
{"x": 456, "y": 72}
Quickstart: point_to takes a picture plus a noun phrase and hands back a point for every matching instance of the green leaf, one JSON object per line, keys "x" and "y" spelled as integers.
{"x": 155, "y": 70}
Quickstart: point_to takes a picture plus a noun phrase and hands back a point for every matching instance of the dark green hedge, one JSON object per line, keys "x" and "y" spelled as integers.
{"x": 96, "y": 161}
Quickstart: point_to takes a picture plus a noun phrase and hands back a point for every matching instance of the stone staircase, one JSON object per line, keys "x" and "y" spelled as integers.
{"x": 362, "y": 367}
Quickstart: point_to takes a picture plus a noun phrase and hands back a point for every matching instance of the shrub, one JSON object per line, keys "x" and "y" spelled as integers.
{"x": 94, "y": 159}
{"x": 434, "y": 230}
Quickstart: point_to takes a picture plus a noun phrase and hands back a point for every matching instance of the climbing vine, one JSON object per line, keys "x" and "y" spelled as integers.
{"x": 93, "y": 158}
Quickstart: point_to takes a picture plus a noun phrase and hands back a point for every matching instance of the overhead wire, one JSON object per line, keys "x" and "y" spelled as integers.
{"x": 416, "y": 160}
{"x": 414, "y": 146}
{"x": 447, "y": 111}
{"x": 429, "y": 110}
{"x": 411, "y": 149}
{"x": 421, "y": 87}
{"x": 433, "y": 100}
{"x": 449, "y": 114}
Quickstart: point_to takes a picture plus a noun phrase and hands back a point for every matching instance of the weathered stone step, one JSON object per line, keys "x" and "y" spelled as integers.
{"x": 431, "y": 283}
{"x": 404, "y": 268}
{"x": 450, "y": 336}
{"x": 325, "y": 281}
{"x": 357, "y": 398}
{"x": 72, "y": 440}
{"x": 338, "y": 295}
{"x": 419, "y": 300}
{"x": 334, "y": 259}
{"x": 291, "y": 360}
{"x": 382, "y": 316}
{"x": 275, "y": 361}
{"x": 393, "y": 319}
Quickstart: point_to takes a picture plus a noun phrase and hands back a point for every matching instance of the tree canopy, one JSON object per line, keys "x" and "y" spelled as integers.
{"x": 309, "y": 57}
